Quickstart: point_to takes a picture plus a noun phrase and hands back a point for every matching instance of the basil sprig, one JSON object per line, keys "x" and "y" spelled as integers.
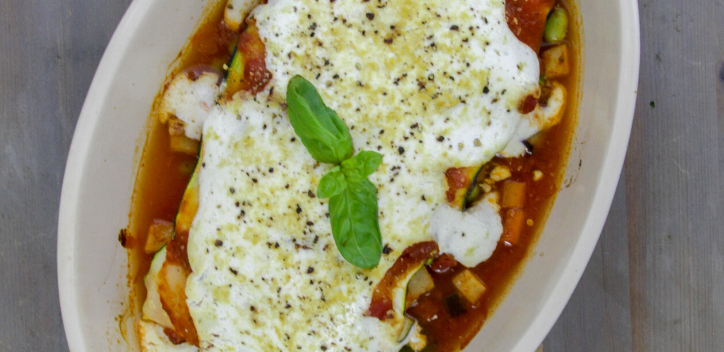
{"x": 352, "y": 197}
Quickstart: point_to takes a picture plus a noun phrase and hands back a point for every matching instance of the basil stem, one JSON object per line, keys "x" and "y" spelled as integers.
{"x": 361, "y": 165}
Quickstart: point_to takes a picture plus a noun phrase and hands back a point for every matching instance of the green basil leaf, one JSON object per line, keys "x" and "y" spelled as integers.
{"x": 319, "y": 128}
{"x": 361, "y": 165}
{"x": 331, "y": 184}
{"x": 355, "y": 226}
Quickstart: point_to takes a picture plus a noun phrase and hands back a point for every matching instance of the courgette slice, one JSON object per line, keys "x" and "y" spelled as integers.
{"x": 235, "y": 73}
{"x": 152, "y": 307}
{"x": 175, "y": 269}
{"x": 190, "y": 200}
{"x": 388, "y": 301}
{"x": 402, "y": 322}
{"x": 407, "y": 327}
{"x": 463, "y": 189}
{"x": 473, "y": 190}
{"x": 247, "y": 68}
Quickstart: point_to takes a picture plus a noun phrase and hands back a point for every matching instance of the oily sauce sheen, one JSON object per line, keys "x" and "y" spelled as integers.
{"x": 164, "y": 174}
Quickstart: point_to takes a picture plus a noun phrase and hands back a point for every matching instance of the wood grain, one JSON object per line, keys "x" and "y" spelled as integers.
{"x": 655, "y": 281}
{"x": 673, "y": 259}
{"x": 597, "y": 318}
{"x": 49, "y": 51}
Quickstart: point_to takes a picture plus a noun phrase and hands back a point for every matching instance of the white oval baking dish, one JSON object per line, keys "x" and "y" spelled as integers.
{"x": 105, "y": 152}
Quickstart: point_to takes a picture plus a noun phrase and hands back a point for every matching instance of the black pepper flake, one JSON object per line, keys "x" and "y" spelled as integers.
{"x": 316, "y": 238}
{"x": 252, "y": 308}
{"x": 486, "y": 90}
{"x": 401, "y": 150}
{"x": 336, "y": 76}
{"x": 386, "y": 249}
{"x": 254, "y": 180}
{"x": 440, "y": 138}
{"x": 309, "y": 223}
{"x": 203, "y": 164}
{"x": 423, "y": 197}
{"x": 310, "y": 270}
{"x": 233, "y": 271}
{"x": 388, "y": 41}
{"x": 219, "y": 243}
{"x": 370, "y": 16}
{"x": 271, "y": 169}
{"x": 276, "y": 244}
{"x": 311, "y": 194}
{"x": 324, "y": 348}
{"x": 454, "y": 28}
{"x": 299, "y": 209}
{"x": 232, "y": 190}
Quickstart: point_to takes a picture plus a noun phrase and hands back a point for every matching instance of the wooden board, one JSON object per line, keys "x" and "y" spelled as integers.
{"x": 655, "y": 281}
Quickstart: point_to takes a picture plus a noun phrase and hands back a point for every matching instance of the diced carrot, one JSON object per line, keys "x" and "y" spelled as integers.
{"x": 159, "y": 233}
{"x": 513, "y": 226}
{"x": 513, "y": 194}
{"x": 469, "y": 286}
{"x": 556, "y": 61}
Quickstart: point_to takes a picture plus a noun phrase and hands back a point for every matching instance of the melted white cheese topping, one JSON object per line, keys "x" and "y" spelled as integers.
{"x": 407, "y": 62}
{"x": 471, "y": 237}
{"x": 153, "y": 339}
{"x": 190, "y": 101}
{"x": 266, "y": 273}
{"x": 541, "y": 118}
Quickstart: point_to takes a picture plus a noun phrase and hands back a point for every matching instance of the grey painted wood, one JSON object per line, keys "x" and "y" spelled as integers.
{"x": 668, "y": 259}
{"x": 597, "y": 318}
{"x": 49, "y": 51}
{"x": 655, "y": 281}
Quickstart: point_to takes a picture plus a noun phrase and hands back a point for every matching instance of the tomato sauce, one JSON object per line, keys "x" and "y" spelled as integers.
{"x": 164, "y": 174}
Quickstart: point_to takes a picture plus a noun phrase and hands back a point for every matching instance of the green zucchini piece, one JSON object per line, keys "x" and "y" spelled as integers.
{"x": 235, "y": 74}
{"x": 400, "y": 304}
{"x": 152, "y": 308}
{"x": 473, "y": 190}
{"x": 190, "y": 200}
{"x": 556, "y": 25}
{"x": 406, "y": 329}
